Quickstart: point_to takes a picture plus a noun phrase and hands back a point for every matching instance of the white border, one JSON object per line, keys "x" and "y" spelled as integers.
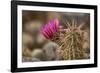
{"x": 53, "y": 63}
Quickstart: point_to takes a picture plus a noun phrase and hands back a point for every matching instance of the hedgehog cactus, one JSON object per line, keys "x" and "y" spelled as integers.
{"x": 72, "y": 41}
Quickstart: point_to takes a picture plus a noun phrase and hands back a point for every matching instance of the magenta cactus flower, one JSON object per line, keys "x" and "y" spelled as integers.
{"x": 50, "y": 28}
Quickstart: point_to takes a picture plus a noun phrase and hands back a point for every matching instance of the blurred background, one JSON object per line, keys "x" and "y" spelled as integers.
{"x": 35, "y": 46}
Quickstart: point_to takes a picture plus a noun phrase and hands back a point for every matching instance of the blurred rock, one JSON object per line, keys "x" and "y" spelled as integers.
{"x": 35, "y": 59}
{"x": 27, "y": 39}
{"x": 32, "y": 27}
{"x": 86, "y": 55}
{"x": 26, "y": 52}
{"x": 86, "y": 35}
{"x": 41, "y": 39}
{"x": 38, "y": 53}
{"x": 30, "y": 59}
{"x": 50, "y": 50}
{"x": 59, "y": 54}
{"x": 86, "y": 45}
